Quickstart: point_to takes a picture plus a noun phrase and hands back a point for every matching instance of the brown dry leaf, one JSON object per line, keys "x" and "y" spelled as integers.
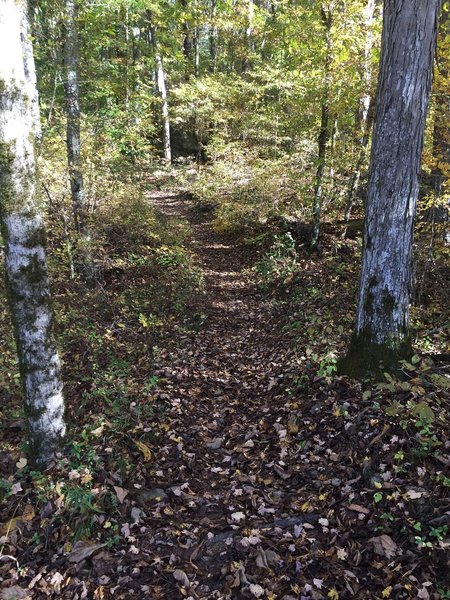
{"x": 83, "y": 550}
{"x": 121, "y": 493}
{"x": 384, "y": 545}
{"x": 358, "y": 508}
{"x": 28, "y": 513}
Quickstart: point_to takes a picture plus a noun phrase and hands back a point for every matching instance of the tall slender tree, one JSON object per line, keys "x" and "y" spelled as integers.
{"x": 162, "y": 90}
{"x": 364, "y": 118}
{"x": 79, "y": 200}
{"x": 382, "y": 332}
{"x": 23, "y": 234}
{"x": 326, "y": 14}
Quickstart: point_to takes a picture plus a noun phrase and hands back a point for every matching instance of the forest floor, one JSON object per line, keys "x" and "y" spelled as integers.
{"x": 262, "y": 476}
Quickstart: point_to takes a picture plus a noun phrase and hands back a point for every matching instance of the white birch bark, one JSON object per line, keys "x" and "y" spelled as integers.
{"x": 23, "y": 234}
{"x": 408, "y": 47}
{"x": 162, "y": 90}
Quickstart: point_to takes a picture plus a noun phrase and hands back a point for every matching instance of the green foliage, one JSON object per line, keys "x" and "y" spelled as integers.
{"x": 280, "y": 262}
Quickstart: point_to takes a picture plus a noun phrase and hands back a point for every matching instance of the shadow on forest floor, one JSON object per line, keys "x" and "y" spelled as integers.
{"x": 262, "y": 475}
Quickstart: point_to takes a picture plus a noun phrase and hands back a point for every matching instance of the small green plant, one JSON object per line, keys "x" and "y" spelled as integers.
{"x": 327, "y": 366}
{"x": 280, "y": 262}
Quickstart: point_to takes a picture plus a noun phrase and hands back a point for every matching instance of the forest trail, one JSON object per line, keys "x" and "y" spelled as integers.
{"x": 259, "y": 477}
{"x": 219, "y": 386}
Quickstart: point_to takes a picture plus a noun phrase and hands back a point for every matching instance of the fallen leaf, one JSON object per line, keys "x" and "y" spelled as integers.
{"x": 120, "y": 493}
{"x": 384, "y": 545}
{"x": 181, "y": 576}
{"x": 22, "y": 463}
{"x": 237, "y": 516}
{"x": 56, "y": 581}
{"x": 256, "y": 590}
{"x": 83, "y": 550}
{"x": 28, "y": 513}
{"x": 358, "y": 508}
{"x": 146, "y": 452}
{"x": 413, "y": 494}
{"x": 16, "y": 488}
{"x": 9, "y": 526}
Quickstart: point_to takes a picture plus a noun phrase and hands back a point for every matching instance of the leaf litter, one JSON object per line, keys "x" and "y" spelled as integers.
{"x": 263, "y": 477}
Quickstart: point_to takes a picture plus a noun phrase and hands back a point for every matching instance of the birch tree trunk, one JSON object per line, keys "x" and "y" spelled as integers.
{"x": 162, "y": 90}
{"x": 22, "y": 230}
{"x": 324, "y": 133}
{"x": 382, "y": 322}
{"x": 79, "y": 202}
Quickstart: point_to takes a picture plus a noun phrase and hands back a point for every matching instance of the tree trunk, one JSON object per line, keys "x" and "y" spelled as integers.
{"x": 187, "y": 42}
{"x": 213, "y": 37}
{"x": 382, "y": 321}
{"x": 162, "y": 90}
{"x": 79, "y": 202}
{"x": 364, "y": 118}
{"x": 197, "y": 52}
{"x": 246, "y": 63}
{"x": 22, "y": 230}
{"x": 441, "y": 133}
{"x": 324, "y": 133}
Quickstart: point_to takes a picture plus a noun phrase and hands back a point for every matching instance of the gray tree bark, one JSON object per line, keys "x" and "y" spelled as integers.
{"x": 23, "y": 233}
{"x": 382, "y": 322}
{"x": 79, "y": 201}
{"x": 324, "y": 132}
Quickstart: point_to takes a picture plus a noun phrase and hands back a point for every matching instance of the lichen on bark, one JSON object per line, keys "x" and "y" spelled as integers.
{"x": 24, "y": 237}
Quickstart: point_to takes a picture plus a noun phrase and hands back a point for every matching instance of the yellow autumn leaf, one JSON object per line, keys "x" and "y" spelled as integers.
{"x": 28, "y": 513}
{"x": 146, "y": 452}
{"x": 9, "y": 526}
{"x": 386, "y": 592}
{"x": 333, "y": 594}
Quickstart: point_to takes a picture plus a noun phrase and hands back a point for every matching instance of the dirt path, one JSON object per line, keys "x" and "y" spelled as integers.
{"x": 219, "y": 386}
{"x": 265, "y": 478}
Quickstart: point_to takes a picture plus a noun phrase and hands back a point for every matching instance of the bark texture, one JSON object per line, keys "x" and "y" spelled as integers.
{"x": 408, "y": 47}
{"x": 23, "y": 233}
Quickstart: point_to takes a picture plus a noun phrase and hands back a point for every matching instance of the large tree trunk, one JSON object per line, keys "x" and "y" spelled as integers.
{"x": 79, "y": 201}
{"x": 382, "y": 322}
{"x": 324, "y": 132}
{"x": 22, "y": 230}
